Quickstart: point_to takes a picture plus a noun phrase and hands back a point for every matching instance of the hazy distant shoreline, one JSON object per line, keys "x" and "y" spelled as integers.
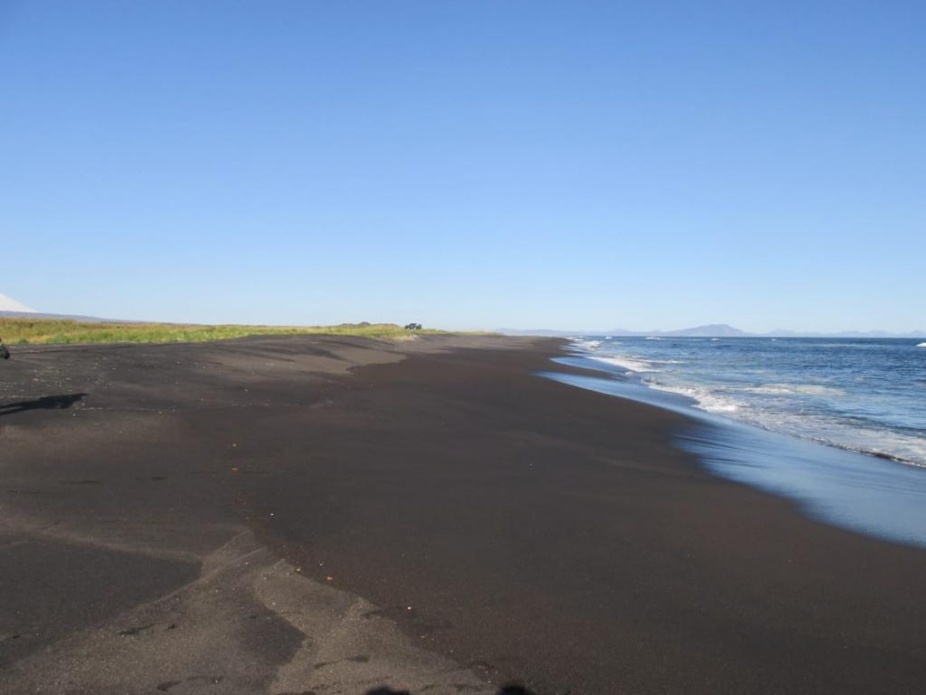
{"x": 708, "y": 331}
{"x": 712, "y": 331}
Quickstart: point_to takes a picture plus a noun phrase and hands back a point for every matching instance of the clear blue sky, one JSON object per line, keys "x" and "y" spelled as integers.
{"x": 467, "y": 164}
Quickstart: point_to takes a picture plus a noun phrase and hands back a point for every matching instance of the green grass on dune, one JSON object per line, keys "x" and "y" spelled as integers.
{"x": 21, "y": 331}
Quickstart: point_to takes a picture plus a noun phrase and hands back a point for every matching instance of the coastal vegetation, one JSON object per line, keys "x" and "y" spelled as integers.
{"x": 24, "y": 331}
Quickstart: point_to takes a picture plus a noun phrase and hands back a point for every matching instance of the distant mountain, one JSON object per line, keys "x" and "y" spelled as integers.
{"x": 10, "y": 304}
{"x": 714, "y": 330}
{"x": 61, "y": 317}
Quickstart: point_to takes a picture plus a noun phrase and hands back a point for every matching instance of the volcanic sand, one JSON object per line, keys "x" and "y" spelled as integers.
{"x": 329, "y": 515}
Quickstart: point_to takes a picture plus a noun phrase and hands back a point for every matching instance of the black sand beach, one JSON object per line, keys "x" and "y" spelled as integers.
{"x": 328, "y": 515}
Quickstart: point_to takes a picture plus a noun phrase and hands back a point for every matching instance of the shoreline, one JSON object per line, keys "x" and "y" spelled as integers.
{"x": 723, "y": 399}
{"x": 876, "y": 495}
{"x": 499, "y": 526}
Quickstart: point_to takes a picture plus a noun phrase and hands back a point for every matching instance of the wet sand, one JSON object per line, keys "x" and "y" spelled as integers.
{"x": 291, "y": 515}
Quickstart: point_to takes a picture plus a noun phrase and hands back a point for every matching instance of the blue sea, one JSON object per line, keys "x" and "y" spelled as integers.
{"x": 838, "y": 425}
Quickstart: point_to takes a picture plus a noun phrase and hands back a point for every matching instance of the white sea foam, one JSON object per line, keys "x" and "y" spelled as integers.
{"x": 713, "y": 403}
{"x": 705, "y": 399}
{"x": 922, "y": 345}
{"x": 630, "y": 363}
{"x": 903, "y": 448}
{"x": 885, "y": 444}
{"x": 586, "y": 344}
{"x": 788, "y": 389}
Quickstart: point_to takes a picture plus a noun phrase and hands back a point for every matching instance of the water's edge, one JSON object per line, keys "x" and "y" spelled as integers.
{"x": 853, "y": 491}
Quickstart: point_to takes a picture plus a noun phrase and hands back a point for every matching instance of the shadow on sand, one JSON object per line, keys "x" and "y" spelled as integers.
{"x": 43, "y": 403}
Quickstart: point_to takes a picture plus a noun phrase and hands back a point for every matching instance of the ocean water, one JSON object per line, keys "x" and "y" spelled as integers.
{"x": 839, "y": 425}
